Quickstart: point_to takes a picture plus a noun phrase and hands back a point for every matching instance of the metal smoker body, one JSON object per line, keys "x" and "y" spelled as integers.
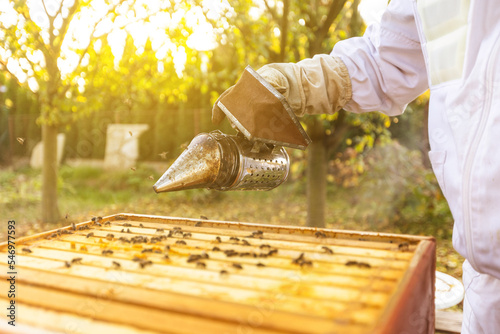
{"x": 218, "y": 161}
{"x": 255, "y": 158}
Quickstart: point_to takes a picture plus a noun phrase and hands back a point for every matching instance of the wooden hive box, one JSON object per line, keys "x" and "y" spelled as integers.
{"x": 130, "y": 273}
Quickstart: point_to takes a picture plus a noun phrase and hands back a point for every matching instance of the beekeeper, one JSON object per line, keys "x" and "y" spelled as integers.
{"x": 451, "y": 47}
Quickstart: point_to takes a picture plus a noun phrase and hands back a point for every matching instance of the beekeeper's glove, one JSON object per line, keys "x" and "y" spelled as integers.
{"x": 319, "y": 85}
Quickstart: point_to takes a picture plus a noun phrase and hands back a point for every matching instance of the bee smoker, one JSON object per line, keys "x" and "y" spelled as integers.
{"x": 255, "y": 158}
{"x": 218, "y": 161}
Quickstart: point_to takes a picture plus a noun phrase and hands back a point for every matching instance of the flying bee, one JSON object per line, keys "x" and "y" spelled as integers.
{"x": 20, "y": 140}
{"x": 151, "y": 177}
{"x": 163, "y": 155}
{"x": 133, "y": 169}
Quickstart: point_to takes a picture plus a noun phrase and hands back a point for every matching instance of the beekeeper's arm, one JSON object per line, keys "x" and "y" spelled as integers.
{"x": 382, "y": 71}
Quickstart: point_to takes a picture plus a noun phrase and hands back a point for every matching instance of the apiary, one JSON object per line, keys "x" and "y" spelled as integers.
{"x": 130, "y": 273}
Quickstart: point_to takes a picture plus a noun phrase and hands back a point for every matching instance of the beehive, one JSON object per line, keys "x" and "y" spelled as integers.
{"x": 145, "y": 274}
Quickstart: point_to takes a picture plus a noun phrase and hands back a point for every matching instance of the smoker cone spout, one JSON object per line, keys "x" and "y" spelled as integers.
{"x": 218, "y": 161}
{"x": 197, "y": 167}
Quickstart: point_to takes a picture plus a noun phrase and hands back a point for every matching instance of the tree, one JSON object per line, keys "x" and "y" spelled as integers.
{"x": 46, "y": 46}
{"x": 258, "y": 33}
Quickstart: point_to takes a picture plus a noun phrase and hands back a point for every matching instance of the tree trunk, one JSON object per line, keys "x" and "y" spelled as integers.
{"x": 50, "y": 210}
{"x": 316, "y": 175}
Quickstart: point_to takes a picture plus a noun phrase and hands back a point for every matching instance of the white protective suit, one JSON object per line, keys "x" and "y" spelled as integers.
{"x": 453, "y": 48}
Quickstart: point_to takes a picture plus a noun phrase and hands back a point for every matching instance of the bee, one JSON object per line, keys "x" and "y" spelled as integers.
{"x": 264, "y": 246}
{"x": 256, "y": 234}
{"x": 193, "y": 258}
{"x": 260, "y": 264}
{"x": 404, "y": 246}
{"x": 201, "y": 265}
{"x": 97, "y": 224}
{"x": 110, "y": 236}
{"x": 180, "y": 242}
{"x": 147, "y": 250}
{"x": 126, "y": 225}
{"x": 67, "y": 264}
{"x": 145, "y": 263}
{"x": 177, "y": 228}
{"x": 245, "y": 243}
{"x": 203, "y": 217}
{"x": 301, "y": 261}
{"x": 245, "y": 254}
{"x": 204, "y": 255}
{"x": 54, "y": 235}
{"x": 116, "y": 265}
{"x": 107, "y": 223}
{"x": 230, "y": 252}
{"x": 160, "y": 230}
{"x": 320, "y": 234}
{"x": 67, "y": 216}
{"x": 218, "y": 239}
{"x": 141, "y": 226}
{"x": 73, "y": 226}
{"x": 187, "y": 235}
{"x": 76, "y": 260}
{"x": 167, "y": 248}
{"x": 128, "y": 231}
{"x": 27, "y": 250}
{"x": 198, "y": 224}
{"x": 272, "y": 252}
{"x": 358, "y": 264}
{"x": 234, "y": 239}
{"x": 107, "y": 252}
{"x": 237, "y": 266}
{"x": 223, "y": 273}
{"x": 166, "y": 257}
{"x": 327, "y": 250}
{"x": 216, "y": 249}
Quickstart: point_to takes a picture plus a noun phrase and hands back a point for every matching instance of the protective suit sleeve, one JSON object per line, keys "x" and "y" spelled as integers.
{"x": 386, "y": 66}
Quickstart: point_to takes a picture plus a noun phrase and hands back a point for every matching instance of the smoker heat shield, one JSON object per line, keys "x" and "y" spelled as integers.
{"x": 261, "y": 113}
